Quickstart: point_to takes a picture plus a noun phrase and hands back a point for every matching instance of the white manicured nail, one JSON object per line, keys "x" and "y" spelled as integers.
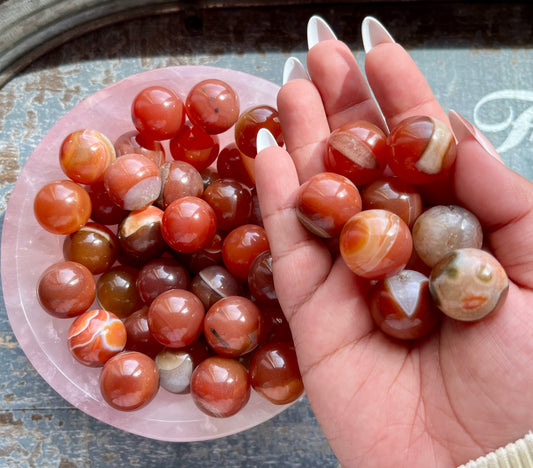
{"x": 374, "y": 33}
{"x": 293, "y": 69}
{"x": 265, "y": 139}
{"x": 317, "y": 31}
{"x": 462, "y": 129}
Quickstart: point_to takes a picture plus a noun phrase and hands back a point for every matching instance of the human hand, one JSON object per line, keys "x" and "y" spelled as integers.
{"x": 460, "y": 392}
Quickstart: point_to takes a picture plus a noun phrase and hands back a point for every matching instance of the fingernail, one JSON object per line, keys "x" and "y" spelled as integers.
{"x": 317, "y": 31}
{"x": 462, "y": 129}
{"x": 293, "y": 69}
{"x": 374, "y": 33}
{"x": 265, "y": 139}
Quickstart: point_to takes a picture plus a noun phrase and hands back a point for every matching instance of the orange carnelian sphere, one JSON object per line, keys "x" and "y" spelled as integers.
{"x": 62, "y": 207}
{"x": 376, "y": 244}
{"x": 422, "y": 149}
{"x": 85, "y": 155}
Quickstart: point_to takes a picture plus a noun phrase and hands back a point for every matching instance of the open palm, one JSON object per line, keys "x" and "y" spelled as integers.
{"x": 465, "y": 389}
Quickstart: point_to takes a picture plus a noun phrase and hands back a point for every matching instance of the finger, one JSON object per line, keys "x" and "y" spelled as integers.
{"x": 295, "y": 252}
{"x": 398, "y": 85}
{"x": 343, "y": 88}
{"x": 305, "y": 126}
{"x": 499, "y": 197}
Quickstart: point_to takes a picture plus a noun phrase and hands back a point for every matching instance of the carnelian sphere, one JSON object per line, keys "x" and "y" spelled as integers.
{"x": 134, "y": 143}
{"x": 158, "y": 113}
{"x": 95, "y": 336}
{"x": 104, "y": 210}
{"x": 422, "y": 149}
{"x": 375, "y": 244}
{"x": 249, "y": 123}
{"x": 402, "y": 307}
{"x": 357, "y": 150}
{"x": 188, "y": 224}
{"x": 396, "y": 195}
{"x": 220, "y": 386}
{"x": 85, "y": 155}
{"x": 468, "y": 284}
{"x": 176, "y": 318}
{"x": 241, "y": 246}
{"x": 325, "y": 202}
{"x": 133, "y": 182}
{"x": 66, "y": 289}
{"x": 116, "y": 290}
{"x": 212, "y": 105}
{"x": 139, "y": 336}
{"x": 233, "y": 326}
{"x": 274, "y": 373}
{"x": 129, "y": 381}
{"x": 193, "y": 145}
{"x": 231, "y": 163}
{"x": 93, "y": 245}
{"x": 179, "y": 179}
{"x": 231, "y": 201}
{"x": 62, "y": 207}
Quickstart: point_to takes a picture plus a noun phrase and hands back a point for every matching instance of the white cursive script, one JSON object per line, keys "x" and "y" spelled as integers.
{"x": 518, "y": 125}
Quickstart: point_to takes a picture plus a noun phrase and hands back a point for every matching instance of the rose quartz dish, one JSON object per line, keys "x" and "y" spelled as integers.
{"x": 27, "y": 250}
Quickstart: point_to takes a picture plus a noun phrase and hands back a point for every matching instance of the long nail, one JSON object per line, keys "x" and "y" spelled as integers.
{"x": 293, "y": 70}
{"x": 265, "y": 139}
{"x": 462, "y": 129}
{"x": 374, "y": 33}
{"x": 317, "y": 31}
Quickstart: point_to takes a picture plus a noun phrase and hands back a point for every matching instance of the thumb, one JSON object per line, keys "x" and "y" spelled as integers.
{"x": 498, "y": 196}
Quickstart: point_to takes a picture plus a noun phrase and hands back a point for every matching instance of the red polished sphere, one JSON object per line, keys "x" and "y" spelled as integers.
{"x": 66, "y": 289}
{"x": 249, "y": 124}
{"x": 104, "y": 210}
{"x": 357, "y": 150}
{"x": 422, "y": 149}
{"x": 231, "y": 164}
{"x": 233, "y": 326}
{"x": 241, "y": 246}
{"x": 133, "y": 182}
{"x": 176, "y": 318}
{"x": 212, "y": 105}
{"x": 402, "y": 307}
{"x": 214, "y": 283}
{"x": 160, "y": 275}
{"x": 139, "y": 336}
{"x": 85, "y": 155}
{"x": 62, "y": 207}
{"x": 179, "y": 179}
{"x": 375, "y": 244}
{"x": 158, "y": 113}
{"x": 194, "y": 146}
{"x": 188, "y": 224}
{"x": 231, "y": 201}
{"x": 117, "y": 292}
{"x": 95, "y": 336}
{"x": 274, "y": 373}
{"x": 134, "y": 143}
{"x": 261, "y": 279}
{"x": 129, "y": 381}
{"x": 220, "y": 386}
{"x": 94, "y": 246}
{"x": 396, "y": 195}
{"x": 325, "y": 202}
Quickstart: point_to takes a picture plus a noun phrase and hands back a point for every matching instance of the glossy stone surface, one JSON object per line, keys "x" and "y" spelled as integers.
{"x": 66, "y": 289}
{"x": 274, "y": 373}
{"x": 396, "y": 195}
{"x": 376, "y": 244}
{"x": 214, "y": 283}
{"x": 249, "y": 123}
{"x": 194, "y": 146}
{"x": 62, "y": 206}
{"x": 444, "y": 228}
{"x": 178, "y": 179}
{"x": 402, "y": 307}
{"x": 160, "y": 275}
{"x": 95, "y": 336}
{"x": 134, "y": 142}
{"x": 220, "y": 386}
{"x": 116, "y": 290}
{"x": 85, "y": 155}
{"x": 213, "y": 105}
{"x": 468, "y": 284}
{"x": 325, "y": 202}
{"x": 129, "y": 381}
{"x": 357, "y": 150}
{"x": 261, "y": 279}
{"x": 233, "y": 326}
{"x": 422, "y": 149}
